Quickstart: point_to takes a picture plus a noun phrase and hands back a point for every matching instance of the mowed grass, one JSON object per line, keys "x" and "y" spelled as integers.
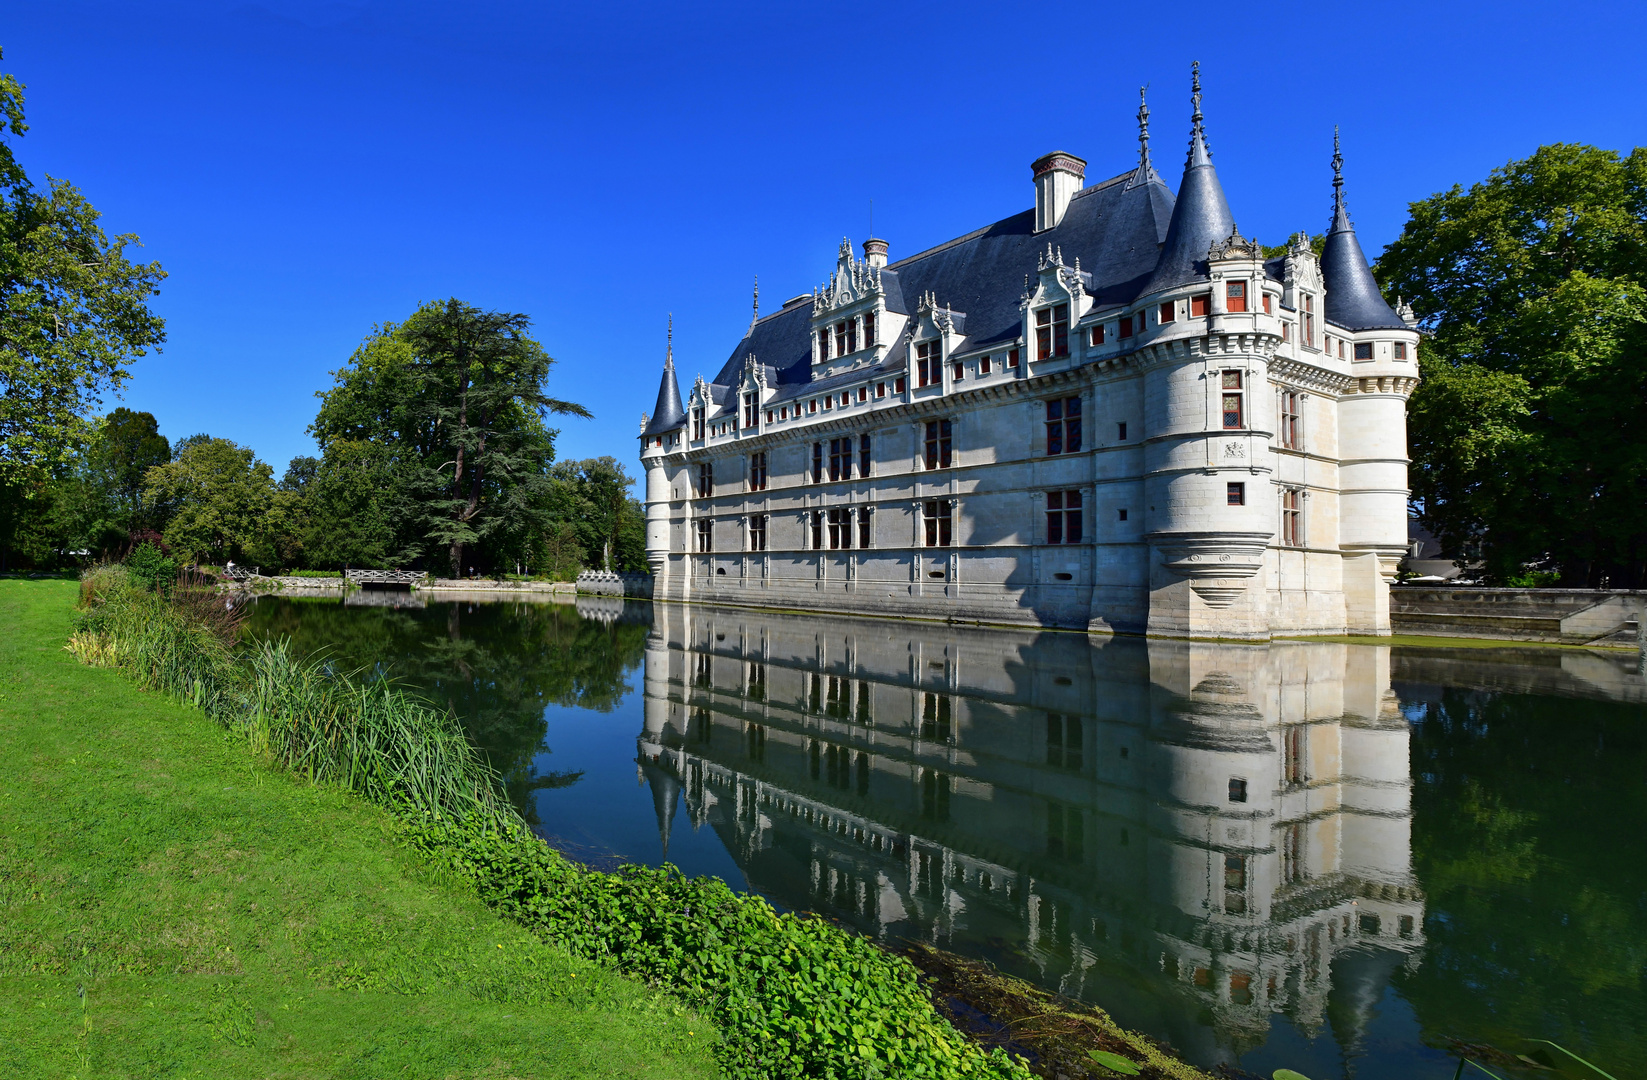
{"x": 171, "y": 907}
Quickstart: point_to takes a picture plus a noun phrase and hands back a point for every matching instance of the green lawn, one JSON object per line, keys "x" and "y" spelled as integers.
{"x": 169, "y": 907}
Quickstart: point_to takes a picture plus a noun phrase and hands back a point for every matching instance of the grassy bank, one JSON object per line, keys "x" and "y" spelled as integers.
{"x": 170, "y": 906}
{"x": 792, "y": 995}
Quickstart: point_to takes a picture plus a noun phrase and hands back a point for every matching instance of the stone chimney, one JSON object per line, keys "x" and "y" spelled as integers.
{"x": 1058, "y": 176}
{"x": 875, "y": 252}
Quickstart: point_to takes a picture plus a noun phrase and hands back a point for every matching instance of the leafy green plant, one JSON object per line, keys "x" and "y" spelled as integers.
{"x": 1114, "y": 1062}
{"x": 150, "y": 567}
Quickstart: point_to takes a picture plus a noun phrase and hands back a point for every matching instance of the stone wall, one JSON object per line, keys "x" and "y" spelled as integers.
{"x": 600, "y": 583}
{"x": 1572, "y": 616}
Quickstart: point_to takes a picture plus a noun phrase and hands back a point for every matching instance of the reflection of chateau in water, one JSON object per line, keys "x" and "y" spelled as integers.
{"x": 1124, "y": 821}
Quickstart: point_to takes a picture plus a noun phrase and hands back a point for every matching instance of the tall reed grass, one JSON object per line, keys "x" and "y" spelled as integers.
{"x": 332, "y": 726}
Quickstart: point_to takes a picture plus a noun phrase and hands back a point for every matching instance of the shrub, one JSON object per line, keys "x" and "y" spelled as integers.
{"x": 150, "y": 567}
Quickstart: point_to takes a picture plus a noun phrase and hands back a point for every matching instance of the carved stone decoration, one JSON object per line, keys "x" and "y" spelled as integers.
{"x": 852, "y": 281}
{"x": 1235, "y": 246}
{"x": 1218, "y": 564}
{"x": 645, "y": 419}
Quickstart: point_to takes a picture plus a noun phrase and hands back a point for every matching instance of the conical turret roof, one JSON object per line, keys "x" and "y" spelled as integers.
{"x": 1353, "y": 297}
{"x": 669, "y": 413}
{"x": 1200, "y": 216}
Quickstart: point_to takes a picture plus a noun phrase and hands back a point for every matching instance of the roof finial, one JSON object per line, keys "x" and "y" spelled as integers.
{"x": 1339, "y": 211}
{"x": 1196, "y": 131}
{"x": 669, "y": 353}
{"x": 756, "y": 316}
{"x": 1143, "y": 127}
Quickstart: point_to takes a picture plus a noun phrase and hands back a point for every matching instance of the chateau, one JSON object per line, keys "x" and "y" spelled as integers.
{"x": 1111, "y": 412}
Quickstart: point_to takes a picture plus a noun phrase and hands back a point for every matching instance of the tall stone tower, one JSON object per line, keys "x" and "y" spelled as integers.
{"x": 659, "y": 434}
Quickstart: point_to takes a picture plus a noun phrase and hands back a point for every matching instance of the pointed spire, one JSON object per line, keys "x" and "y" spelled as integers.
{"x": 1340, "y": 212}
{"x": 1354, "y": 300}
{"x": 755, "y": 317}
{"x": 669, "y": 413}
{"x": 1145, "y": 172}
{"x": 1200, "y": 215}
{"x": 1199, "y": 151}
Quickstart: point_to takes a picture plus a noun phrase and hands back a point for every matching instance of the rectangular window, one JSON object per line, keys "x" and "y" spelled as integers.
{"x": 829, "y": 402}
{"x": 840, "y": 459}
{"x": 1291, "y": 429}
{"x": 1294, "y": 755}
{"x": 817, "y": 463}
{"x": 757, "y": 532}
{"x": 1126, "y": 327}
{"x": 823, "y": 344}
{"x": 1232, "y": 400}
{"x": 812, "y": 406}
{"x": 1401, "y": 350}
{"x": 869, "y": 329}
{"x": 1096, "y": 337}
{"x": 757, "y": 471}
{"x": 840, "y": 339}
{"x": 1286, "y": 331}
{"x": 1200, "y": 305}
{"x": 1064, "y": 425}
{"x": 769, "y": 416}
{"x": 1169, "y": 312}
{"x": 898, "y": 385}
{"x": 936, "y": 515}
{"x": 751, "y": 409}
{"x": 1121, "y": 431}
{"x": 1268, "y": 307}
{"x": 1052, "y": 332}
{"x": 1235, "y": 494}
{"x": 958, "y": 373}
{"x": 866, "y": 532}
{"x": 880, "y": 390}
{"x": 697, "y": 423}
{"x": 1120, "y": 515}
{"x": 1309, "y": 320}
{"x": 1012, "y": 358}
{"x": 1341, "y": 348}
{"x": 817, "y": 530}
{"x": 863, "y": 455}
{"x": 1235, "y": 296}
{"x": 706, "y": 534}
{"x": 936, "y": 725}
{"x": 863, "y": 394}
{"x": 706, "y": 480}
{"x": 1063, "y": 517}
{"x": 1363, "y": 350}
{"x": 929, "y": 363}
{"x": 1292, "y": 517}
{"x": 852, "y": 335}
{"x": 1238, "y": 790}
{"x": 840, "y": 528}
{"x": 938, "y": 443}
{"x": 983, "y": 364}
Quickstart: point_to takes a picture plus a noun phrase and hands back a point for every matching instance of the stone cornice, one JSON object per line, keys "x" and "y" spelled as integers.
{"x": 1400, "y": 386}
{"x": 1307, "y": 376}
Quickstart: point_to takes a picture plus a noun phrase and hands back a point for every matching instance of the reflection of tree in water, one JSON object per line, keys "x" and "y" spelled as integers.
{"x": 1526, "y": 808}
{"x": 497, "y": 666}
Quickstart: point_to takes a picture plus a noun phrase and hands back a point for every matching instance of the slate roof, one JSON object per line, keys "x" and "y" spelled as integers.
{"x": 1200, "y": 218}
{"x": 669, "y": 413}
{"x": 1115, "y": 230}
{"x": 1353, "y": 297}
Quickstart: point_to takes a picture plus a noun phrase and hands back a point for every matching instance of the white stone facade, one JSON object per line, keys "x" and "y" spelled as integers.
{"x": 1238, "y": 458}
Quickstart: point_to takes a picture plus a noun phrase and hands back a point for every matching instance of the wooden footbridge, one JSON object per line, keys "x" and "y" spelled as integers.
{"x": 410, "y": 578}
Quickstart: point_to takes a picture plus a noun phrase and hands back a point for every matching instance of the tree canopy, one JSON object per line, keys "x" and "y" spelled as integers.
{"x": 453, "y": 402}
{"x": 1529, "y": 431}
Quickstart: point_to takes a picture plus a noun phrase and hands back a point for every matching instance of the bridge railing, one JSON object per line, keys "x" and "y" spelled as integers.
{"x": 386, "y": 577}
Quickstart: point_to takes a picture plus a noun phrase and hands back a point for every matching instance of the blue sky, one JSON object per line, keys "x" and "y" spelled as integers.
{"x": 304, "y": 170}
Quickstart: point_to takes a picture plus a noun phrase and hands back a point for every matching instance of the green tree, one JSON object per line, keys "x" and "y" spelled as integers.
{"x": 222, "y": 502}
{"x": 73, "y": 317}
{"x": 454, "y": 398}
{"x": 610, "y": 525}
{"x": 1529, "y": 431}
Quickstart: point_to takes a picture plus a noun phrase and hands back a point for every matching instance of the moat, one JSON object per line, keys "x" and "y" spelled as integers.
{"x": 1334, "y": 858}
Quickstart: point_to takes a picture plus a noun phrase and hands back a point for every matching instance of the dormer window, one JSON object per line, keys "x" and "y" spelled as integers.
{"x": 929, "y": 363}
{"x": 751, "y": 409}
{"x": 1309, "y": 320}
{"x": 869, "y": 329}
{"x": 1235, "y": 296}
{"x": 846, "y": 337}
{"x": 697, "y": 424}
{"x": 1052, "y": 332}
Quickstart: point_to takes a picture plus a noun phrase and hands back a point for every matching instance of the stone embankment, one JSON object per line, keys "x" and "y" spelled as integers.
{"x": 1564, "y": 616}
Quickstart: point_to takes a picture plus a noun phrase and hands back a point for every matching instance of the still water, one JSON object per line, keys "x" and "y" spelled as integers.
{"x": 1328, "y": 857}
